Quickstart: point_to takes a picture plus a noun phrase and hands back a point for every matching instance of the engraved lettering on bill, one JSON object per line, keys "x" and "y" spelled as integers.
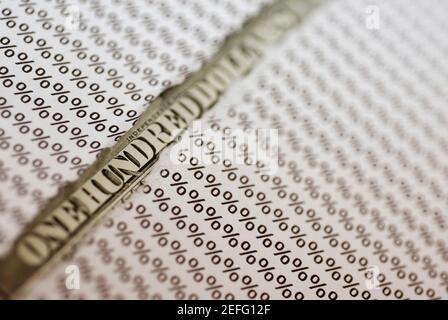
{"x": 119, "y": 172}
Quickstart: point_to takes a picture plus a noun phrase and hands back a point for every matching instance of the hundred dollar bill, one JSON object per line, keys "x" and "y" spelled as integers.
{"x": 120, "y": 170}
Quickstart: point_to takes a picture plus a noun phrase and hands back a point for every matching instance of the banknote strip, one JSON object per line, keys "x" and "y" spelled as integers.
{"x": 119, "y": 170}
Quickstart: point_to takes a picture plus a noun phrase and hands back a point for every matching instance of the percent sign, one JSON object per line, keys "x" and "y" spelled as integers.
{"x": 145, "y": 222}
{"x": 115, "y": 106}
{"x": 10, "y": 20}
{"x": 60, "y": 93}
{"x": 312, "y": 188}
{"x": 150, "y": 76}
{"x": 9, "y": 48}
{"x": 60, "y": 63}
{"x": 133, "y": 91}
{"x": 42, "y": 78}
{"x": 61, "y": 34}
{"x": 96, "y": 63}
{"x": 19, "y": 185}
{"x": 20, "y": 154}
{"x": 78, "y": 137}
{"x": 5, "y": 112}
{"x": 140, "y": 287}
{"x": 197, "y": 237}
{"x": 124, "y": 234}
{"x": 38, "y": 198}
{"x": 430, "y": 267}
{"x": 296, "y": 203}
{"x": 22, "y": 92}
{"x": 249, "y": 287}
{"x": 40, "y": 169}
{"x": 123, "y": 269}
{"x": 112, "y": 19}
{"x": 79, "y": 50}
{"x": 163, "y": 205}
{"x": 115, "y": 130}
{"x": 168, "y": 62}
{"x": 132, "y": 36}
{"x": 159, "y": 235}
{"x": 149, "y": 49}
{"x": 329, "y": 204}
{"x": 296, "y": 234}
{"x": 196, "y": 270}
{"x": 78, "y": 78}
{"x": 3, "y": 171}
{"x": 7, "y": 82}
{"x": 132, "y": 63}
{"x": 4, "y": 143}
{"x": 42, "y": 44}
{"x": 159, "y": 270}
{"x": 21, "y": 123}
{"x": 105, "y": 251}
{"x": 114, "y": 50}
{"x": 59, "y": 153}
{"x": 76, "y": 164}
{"x": 141, "y": 252}
{"x": 96, "y": 92}
{"x": 412, "y": 250}
{"x": 97, "y": 37}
